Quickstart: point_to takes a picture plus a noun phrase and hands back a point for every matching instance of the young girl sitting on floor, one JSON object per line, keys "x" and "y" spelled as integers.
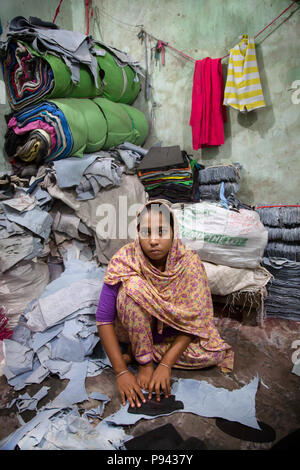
{"x": 156, "y": 298}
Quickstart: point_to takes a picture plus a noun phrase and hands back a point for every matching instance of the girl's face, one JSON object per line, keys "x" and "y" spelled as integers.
{"x": 156, "y": 236}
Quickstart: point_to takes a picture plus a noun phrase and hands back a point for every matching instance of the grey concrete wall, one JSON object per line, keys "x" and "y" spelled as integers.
{"x": 265, "y": 141}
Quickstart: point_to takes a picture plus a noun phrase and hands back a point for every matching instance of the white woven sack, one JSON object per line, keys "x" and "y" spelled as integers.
{"x": 222, "y": 236}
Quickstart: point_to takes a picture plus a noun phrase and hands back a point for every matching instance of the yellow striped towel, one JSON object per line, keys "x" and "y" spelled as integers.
{"x": 243, "y": 88}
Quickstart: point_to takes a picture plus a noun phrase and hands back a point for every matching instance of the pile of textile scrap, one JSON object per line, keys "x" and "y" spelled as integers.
{"x": 49, "y": 231}
{"x": 282, "y": 259}
{"x": 65, "y": 429}
{"x": 167, "y": 173}
{"x": 57, "y": 208}
{"x": 25, "y": 228}
{"x": 57, "y": 334}
{"x": 74, "y": 141}
{"x": 8, "y": 184}
{"x": 57, "y": 330}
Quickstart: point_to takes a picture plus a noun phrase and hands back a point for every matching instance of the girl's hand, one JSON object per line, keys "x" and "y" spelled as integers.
{"x": 160, "y": 379}
{"x": 128, "y": 387}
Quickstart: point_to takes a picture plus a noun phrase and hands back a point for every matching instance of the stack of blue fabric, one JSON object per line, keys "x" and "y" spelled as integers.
{"x": 282, "y": 260}
{"x": 283, "y": 300}
{"x": 283, "y": 225}
{"x": 211, "y": 180}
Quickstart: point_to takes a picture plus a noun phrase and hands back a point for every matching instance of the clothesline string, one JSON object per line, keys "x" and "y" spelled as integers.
{"x": 57, "y": 11}
{"x": 171, "y": 47}
{"x": 293, "y": 3}
{"x": 227, "y": 55}
{"x": 182, "y": 53}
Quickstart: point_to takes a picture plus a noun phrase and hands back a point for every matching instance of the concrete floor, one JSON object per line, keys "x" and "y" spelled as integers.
{"x": 265, "y": 351}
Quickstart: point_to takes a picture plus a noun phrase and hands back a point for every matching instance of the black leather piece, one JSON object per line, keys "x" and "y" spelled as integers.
{"x": 20, "y": 23}
{"x": 245, "y": 433}
{"x": 156, "y": 408}
{"x": 37, "y": 22}
{"x": 291, "y": 441}
{"x": 163, "y": 438}
{"x": 163, "y": 157}
{"x": 192, "y": 443}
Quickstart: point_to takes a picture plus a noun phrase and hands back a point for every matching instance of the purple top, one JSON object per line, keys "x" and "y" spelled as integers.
{"x": 107, "y": 311}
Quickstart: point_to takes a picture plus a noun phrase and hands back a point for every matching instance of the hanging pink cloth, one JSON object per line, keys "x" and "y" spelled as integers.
{"x": 208, "y": 113}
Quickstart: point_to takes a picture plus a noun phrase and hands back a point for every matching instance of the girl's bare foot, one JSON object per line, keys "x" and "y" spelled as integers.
{"x": 144, "y": 375}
